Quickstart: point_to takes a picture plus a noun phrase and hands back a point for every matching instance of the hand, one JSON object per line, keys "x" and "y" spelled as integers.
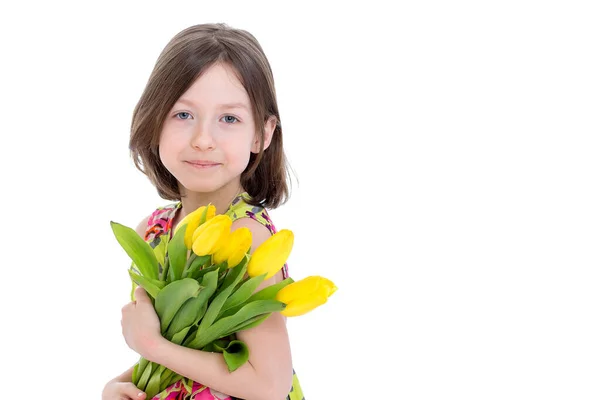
{"x": 122, "y": 391}
{"x": 140, "y": 324}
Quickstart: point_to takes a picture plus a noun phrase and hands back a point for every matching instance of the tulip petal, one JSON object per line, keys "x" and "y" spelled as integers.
{"x": 301, "y": 307}
{"x": 272, "y": 254}
{"x": 211, "y": 235}
{"x": 305, "y": 295}
{"x": 301, "y": 288}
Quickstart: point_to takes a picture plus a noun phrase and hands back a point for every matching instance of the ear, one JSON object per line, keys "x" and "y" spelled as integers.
{"x": 270, "y": 126}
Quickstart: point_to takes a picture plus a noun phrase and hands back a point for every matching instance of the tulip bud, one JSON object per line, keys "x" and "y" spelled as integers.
{"x": 305, "y": 295}
{"x": 271, "y": 255}
{"x": 235, "y": 249}
{"x": 211, "y": 235}
{"x": 193, "y": 221}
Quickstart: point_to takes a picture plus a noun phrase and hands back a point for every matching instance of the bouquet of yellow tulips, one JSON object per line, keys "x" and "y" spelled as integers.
{"x": 203, "y": 285}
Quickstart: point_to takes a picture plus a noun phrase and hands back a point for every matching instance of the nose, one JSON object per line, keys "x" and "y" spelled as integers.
{"x": 203, "y": 139}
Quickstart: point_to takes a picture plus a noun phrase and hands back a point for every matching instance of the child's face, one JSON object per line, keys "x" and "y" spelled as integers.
{"x": 208, "y": 135}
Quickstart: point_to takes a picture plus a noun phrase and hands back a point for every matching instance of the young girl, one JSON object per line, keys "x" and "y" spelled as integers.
{"x": 207, "y": 130}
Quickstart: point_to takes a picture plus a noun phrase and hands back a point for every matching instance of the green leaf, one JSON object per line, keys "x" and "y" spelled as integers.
{"x": 224, "y": 325}
{"x": 177, "y": 254}
{"x": 152, "y": 286}
{"x": 153, "y": 386}
{"x": 172, "y": 297}
{"x": 199, "y": 274}
{"x": 235, "y": 354}
{"x": 251, "y": 323}
{"x": 134, "y": 374}
{"x": 174, "y": 378}
{"x": 164, "y": 275}
{"x": 194, "y": 263}
{"x": 181, "y": 335}
{"x": 236, "y": 274}
{"x": 193, "y": 309}
{"x": 270, "y": 291}
{"x": 267, "y": 293}
{"x": 145, "y": 376}
{"x": 243, "y": 292}
{"x": 232, "y": 274}
{"x": 166, "y": 379}
{"x": 216, "y": 346}
{"x": 139, "y": 251}
{"x": 160, "y": 252}
{"x": 141, "y": 366}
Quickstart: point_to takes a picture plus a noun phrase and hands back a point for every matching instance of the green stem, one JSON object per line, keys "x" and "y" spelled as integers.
{"x": 165, "y": 268}
{"x": 188, "y": 264}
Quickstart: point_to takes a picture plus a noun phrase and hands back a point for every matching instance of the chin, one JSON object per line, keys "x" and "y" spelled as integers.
{"x": 201, "y": 187}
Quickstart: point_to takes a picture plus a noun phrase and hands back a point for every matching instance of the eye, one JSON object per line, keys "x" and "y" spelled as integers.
{"x": 182, "y": 113}
{"x": 230, "y": 119}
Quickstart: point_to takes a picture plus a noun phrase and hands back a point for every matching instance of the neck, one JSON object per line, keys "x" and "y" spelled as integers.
{"x": 221, "y": 199}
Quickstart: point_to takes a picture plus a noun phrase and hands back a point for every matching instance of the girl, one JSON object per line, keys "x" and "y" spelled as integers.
{"x": 207, "y": 130}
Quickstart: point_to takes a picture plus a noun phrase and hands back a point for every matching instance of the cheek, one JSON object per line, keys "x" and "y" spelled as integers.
{"x": 238, "y": 150}
{"x": 167, "y": 147}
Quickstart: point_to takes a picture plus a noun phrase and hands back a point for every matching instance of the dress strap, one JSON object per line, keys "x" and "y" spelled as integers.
{"x": 239, "y": 208}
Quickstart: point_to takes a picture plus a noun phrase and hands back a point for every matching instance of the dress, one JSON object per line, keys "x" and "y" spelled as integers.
{"x": 160, "y": 222}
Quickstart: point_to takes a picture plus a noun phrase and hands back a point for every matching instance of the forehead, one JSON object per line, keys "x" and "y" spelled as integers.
{"x": 217, "y": 86}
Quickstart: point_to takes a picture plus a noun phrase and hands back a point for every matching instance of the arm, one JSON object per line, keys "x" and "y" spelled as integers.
{"x": 268, "y": 373}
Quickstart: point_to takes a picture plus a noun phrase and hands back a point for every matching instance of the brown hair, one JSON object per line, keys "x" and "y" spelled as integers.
{"x": 181, "y": 62}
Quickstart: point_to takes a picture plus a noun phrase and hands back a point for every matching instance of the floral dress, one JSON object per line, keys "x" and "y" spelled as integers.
{"x": 161, "y": 222}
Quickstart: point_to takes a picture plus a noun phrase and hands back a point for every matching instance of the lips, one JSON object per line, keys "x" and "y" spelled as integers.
{"x": 203, "y": 163}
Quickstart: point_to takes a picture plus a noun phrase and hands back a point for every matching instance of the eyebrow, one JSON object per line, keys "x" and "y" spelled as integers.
{"x": 226, "y": 105}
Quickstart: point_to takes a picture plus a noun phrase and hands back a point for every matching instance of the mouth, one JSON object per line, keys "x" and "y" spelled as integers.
{"x": 202, "y": 164}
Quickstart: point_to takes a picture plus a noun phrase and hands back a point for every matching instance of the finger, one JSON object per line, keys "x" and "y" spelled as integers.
{"x": 141, "y": 295}
{"x": 127, "y": 307}
{"x": 132, "y": 391}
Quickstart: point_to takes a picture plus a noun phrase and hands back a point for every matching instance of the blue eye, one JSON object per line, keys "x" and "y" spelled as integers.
{"x": 229, "y": 119}
{"x": 180, "y": 113}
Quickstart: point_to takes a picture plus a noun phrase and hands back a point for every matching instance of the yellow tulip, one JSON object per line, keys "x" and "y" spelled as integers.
{"x": 235, "y": 249}
{"x": 210, "y": 213}
{"x": 305, "y": 295}
{"x": 211, "y": 235}
{"x": 271, "y": 255}
{"x": 193, "y": 221}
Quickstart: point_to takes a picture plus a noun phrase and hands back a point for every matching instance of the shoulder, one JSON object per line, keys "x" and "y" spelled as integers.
{"x": 240, "y": 209}
{"x": 142, "y": 227}
{"x": 157, "y": 222}
{"x": 260, "y": 233}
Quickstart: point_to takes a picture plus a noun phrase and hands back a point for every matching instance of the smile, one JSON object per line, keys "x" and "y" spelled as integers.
{"x": 202, "y": 164}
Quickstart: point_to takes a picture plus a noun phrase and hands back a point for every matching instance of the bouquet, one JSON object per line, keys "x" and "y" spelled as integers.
{"x": 203, "y": 285}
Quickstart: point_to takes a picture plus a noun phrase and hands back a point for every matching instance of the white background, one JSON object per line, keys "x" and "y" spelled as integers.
{"x": 447, "y": 163}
